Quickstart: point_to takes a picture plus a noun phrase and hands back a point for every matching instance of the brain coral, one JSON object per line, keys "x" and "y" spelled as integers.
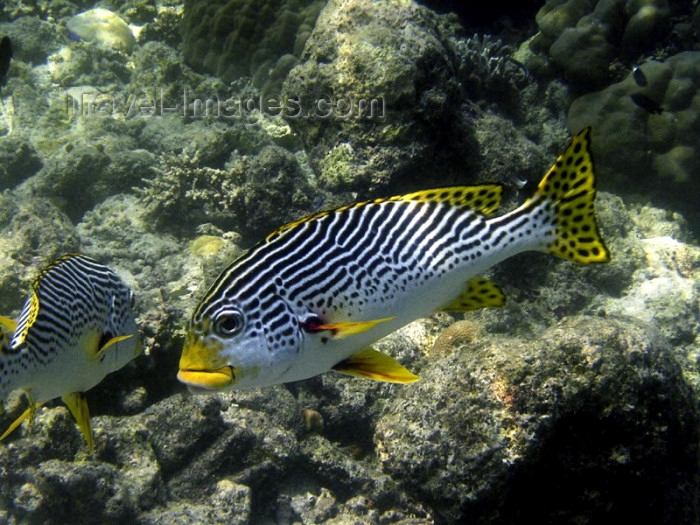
{"x": 235, "y": 38}
{"x": 646, "y": 136}
{"x": 581, "y": 36}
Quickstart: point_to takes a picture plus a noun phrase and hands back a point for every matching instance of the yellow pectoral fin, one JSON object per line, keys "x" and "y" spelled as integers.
{"x": 77, "y": 404}
{"x": 113, "y": 340}
{"x": 479, "y": 293}
{"x": 345, "y": 328}
{"x": 374, "y": 365}
{"x": 29, "y": 413}
{"x": 7, "y": 324}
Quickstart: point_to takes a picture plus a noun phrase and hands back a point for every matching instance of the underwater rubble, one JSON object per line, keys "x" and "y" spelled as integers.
{"x": 578, "y": 402}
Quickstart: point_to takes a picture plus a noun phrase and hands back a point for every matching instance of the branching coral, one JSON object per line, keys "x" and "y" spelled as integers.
{"x": 487, "y": 68}
{"x": 255, "y": 195}
{"x": 182, "y": 190}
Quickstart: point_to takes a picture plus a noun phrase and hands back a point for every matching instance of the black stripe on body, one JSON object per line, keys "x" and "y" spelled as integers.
{"x": 350, "y": 255}
{"x": 75, "y": 294}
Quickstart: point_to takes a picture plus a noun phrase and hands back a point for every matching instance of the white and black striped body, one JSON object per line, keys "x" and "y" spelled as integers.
{"x": 313, "y": 295}
{"x": 393, "y": 258}
{"x": 75, "y": 307}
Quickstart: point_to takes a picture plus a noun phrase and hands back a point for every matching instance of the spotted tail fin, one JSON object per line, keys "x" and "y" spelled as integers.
{"x": 568, "y": 191}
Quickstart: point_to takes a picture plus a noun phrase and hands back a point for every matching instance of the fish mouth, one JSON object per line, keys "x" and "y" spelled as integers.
{"x": 208, "y": 380}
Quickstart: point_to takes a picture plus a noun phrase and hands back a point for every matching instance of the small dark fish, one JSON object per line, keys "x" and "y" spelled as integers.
{"x": 646, "y": 103}
{"x": 319, "y": 202}
{"x": 639, "y": 77}
{"x": 5, "y": 58}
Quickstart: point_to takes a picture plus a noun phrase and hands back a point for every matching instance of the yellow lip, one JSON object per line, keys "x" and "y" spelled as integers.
{"x": 207, "y": 379}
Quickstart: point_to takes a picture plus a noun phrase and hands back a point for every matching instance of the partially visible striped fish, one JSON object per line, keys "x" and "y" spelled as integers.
{"x": 314, "y": 294}
{"x": 76, "y": 326}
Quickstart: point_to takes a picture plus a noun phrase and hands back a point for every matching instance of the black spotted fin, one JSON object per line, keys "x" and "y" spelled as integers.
{"x": 371, "y": 364}
{"x": 485, "y": 199}
{"x": 479, "y": 293}
{"x": 568, "y": 188}
{"x": 77, "y": 404}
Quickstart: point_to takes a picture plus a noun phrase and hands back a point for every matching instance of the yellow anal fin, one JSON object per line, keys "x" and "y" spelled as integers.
{"x": 570, "y": 186}
{"x": 485, "y": 198}
{"x": 7, "y": 325}
{"x": 77, "y": 404}
{"x": 479, "y": 293}
{"x": 371, "y": 364}
{"x": 100, "y": 351}
{"x": 29, "y": 413}
{"x": 345, "y": 328}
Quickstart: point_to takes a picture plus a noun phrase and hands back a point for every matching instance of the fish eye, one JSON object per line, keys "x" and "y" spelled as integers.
{"x": 228, "y": 324}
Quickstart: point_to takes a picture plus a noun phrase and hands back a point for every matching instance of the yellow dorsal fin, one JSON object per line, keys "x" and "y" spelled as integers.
{"x": 77, "y": 404}
{"x": 372, "y": 364}
{"x": 570, "y": 186}
{"x": 7, "y": 324}
{"x": 33, "y": 313}
{"x": 479, "y": 293}
{"x": 485, "y": 198}
{"x": 345, "y": 328}
{"x": 100, "y": 351}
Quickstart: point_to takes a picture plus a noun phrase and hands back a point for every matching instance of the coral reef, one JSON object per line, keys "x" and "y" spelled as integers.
{"x": 235, "y": 38}
{"x": 582, "y": 37}
{"x": 101, "y": 26}
{"x": 33, "y": 39}
{"x": 487, "y": 69}
{"x": 18, "y": 160}
{"x": 643, "y": 151}
{"x": 468, "y": 434}
{"x": 33, "y": 232}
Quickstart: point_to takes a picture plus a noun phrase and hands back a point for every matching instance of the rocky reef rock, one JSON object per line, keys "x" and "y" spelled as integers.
{"x": 502, "y": 425}
{"x": 378, "y": 98}
{"x": 33, "y": 232}
{"x": 256, "y": 195}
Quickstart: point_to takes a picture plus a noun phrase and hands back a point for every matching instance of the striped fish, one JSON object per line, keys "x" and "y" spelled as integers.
{"x": 76, "y": 326}
{"x": 314, "y": 295}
